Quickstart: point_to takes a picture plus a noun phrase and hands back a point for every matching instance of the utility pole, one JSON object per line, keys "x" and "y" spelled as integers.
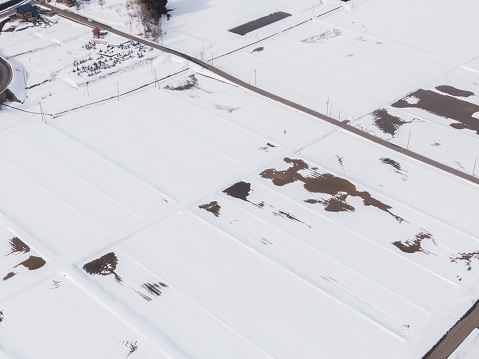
{"x": 327, "y": 107}
{"x": 474, "y": 169}
{"x": 118, "y": 90}
{"x": 407, "y": 147}
{"x": 254, "y": 78}
{"x": 87, "y": 92}
{"x": 156, "y": 79}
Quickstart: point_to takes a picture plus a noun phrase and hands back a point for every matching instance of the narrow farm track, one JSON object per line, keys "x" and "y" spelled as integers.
{"x": 458, "y": 333}
{"x": 83, "y": 20}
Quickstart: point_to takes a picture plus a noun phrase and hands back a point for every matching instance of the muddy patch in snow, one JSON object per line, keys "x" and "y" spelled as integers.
{"x": 396, "y": 166}
{"x": 212, "y": 207}
{"x": 105, "y": 265}
{"x": 386, "y": 122}
{"x": 241, "y": 190}
{"x": 414, "y": 245}
{"x": 323, "y": 37}
{"x": 391, "y": 162}
{"x": 325, "y": 183}
{"x": 32, "y": 263}
{"x": 444, "y": 106}
{"x": 18, "y": 246}
{"x": 465, "y": 257}
{"x": 9, "y": 275}
{"x": 453, "y": 91}
{"x": 1, "y": 316}
{"x": 155, "y": 288}
{"x": 258, "y": 49}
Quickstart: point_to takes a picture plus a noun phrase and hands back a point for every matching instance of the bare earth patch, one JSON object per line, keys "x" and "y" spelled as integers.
{"x": 32, "y": 263}
{"x": 241, "y": 191}
{"x": 212, "y": 207}
{"x": 338, "y": 188}
{"x": 18, "y": 246}
{"x": 465, "y": 257}
{"x": 104, "y": 266}
{"x": 453, "y": 91}
{"x": 386, "y": 122}
{"x": 155, "y": 288}
{"x": 414, "y": 245}
{"x": 444, "y": 106}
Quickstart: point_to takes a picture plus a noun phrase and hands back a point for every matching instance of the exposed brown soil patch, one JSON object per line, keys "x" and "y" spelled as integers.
{"x": 258, "y": 49}
{"x": 451, "y": 90}
{"x": 334, "y": 204}
{"x": 155, "y": 288}
{"x": 444, "y": 106}
{"x": 239, "y": 190}
{"x": 339, "y": 188}
{"x": 104, "y": 265}
{"x": 466, "y": 257}
{"x": 9, "y": 275}
{"x": 189, "y": 83}
{"x": 386, "y": 122}
{"x": 17, "y": 246}
{"x": 32, "y": 263}
{"x": 415, "y": 245}
{"x": 212, "y": 207}
{"x": 396, "y": 166}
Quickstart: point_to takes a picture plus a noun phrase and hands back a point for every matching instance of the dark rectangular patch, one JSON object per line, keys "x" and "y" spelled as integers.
{"x": 259, "y": 23}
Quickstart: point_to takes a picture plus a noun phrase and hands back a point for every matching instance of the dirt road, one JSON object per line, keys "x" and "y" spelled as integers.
{"x": 83, "y": 20}
{"x": 456, "y": 335}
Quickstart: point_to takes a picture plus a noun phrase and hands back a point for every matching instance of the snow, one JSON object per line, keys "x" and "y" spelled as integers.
{"x": 469, "y": 348}
{"x": 134, "y": 165}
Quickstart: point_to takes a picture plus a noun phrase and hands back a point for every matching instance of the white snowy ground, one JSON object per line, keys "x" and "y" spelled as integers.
{"x": 203, "y": 247}
{"x": 346, "y": 63}
{"x": 469, "y": 349}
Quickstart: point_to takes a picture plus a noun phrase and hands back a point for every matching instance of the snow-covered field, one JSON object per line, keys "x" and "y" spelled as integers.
{"x": 347, "y": 64}
{"x": 194, "y": 219}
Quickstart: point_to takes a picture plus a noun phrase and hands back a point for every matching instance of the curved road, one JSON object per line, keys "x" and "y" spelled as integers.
{"x": 5, "y": 74}
{"x": 471, "y": 319}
